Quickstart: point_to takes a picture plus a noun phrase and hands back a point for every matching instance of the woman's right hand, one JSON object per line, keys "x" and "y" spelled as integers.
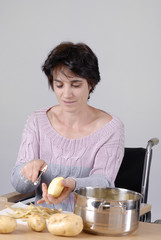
{"x": 31, "y": 169}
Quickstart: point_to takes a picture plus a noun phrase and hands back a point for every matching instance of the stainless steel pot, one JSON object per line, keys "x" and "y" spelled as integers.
{"x": 111, "y": 211}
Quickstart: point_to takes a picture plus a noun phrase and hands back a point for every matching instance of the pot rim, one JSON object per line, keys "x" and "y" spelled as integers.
{"x": 139, "y": 195}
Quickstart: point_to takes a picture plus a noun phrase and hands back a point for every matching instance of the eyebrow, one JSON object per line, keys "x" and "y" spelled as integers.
{"x": 73, "y": 81}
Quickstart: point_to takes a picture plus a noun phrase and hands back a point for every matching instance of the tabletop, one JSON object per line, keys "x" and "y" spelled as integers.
{"x": 145, "y": 231}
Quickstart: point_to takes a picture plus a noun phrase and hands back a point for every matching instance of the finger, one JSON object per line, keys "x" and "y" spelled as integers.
{"x": 38, "y": 166}
{"x": 35, "y": 175}
{"x": 40, "y": 201}
{"x": 69, "y": 182}
{"x": 44, "y": 189}
{"x": 45, "y": 193}
{"x": 27, "y": 171}
{"x": 65, "y": 193}
{"x": 53, "y": 200}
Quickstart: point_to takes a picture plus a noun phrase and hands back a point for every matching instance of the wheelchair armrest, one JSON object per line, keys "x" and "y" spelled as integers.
{"x": 145, "y": 208}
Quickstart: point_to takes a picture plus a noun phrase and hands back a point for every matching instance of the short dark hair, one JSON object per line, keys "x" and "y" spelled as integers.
{"x": 79, "y": 58}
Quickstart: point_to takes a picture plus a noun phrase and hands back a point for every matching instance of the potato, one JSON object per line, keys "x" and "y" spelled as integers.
{"x": 65, "y": 224}
{"x": 55, "y": 187}
{"x": 7, "y": 224}
{"x": 37, "y": 222}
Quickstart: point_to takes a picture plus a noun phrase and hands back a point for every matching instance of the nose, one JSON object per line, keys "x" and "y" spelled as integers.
{"x": 67, "y": 92}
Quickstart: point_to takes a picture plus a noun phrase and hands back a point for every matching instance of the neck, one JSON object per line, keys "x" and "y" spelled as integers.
{"x": 75, "y": 118}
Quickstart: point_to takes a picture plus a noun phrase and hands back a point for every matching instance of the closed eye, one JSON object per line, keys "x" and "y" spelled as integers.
{"x": 76, "y": 85}
{"x": 59, "y": 86}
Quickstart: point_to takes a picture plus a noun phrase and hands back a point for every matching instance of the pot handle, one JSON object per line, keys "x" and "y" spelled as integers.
{"x": 104, "y": 205}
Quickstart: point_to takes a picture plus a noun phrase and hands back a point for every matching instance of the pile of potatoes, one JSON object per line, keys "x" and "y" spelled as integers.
{"x": 62, "y": 224}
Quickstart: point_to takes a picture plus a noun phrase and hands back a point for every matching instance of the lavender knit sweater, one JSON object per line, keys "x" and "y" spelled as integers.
{"x": 93, "y": 160}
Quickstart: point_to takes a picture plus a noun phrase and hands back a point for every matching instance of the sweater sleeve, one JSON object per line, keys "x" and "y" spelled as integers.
{"x": 107, "y": 162}
{"x": 29, "y": 150}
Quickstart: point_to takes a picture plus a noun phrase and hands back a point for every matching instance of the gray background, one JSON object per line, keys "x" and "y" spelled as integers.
{"x": 126, "y": 37}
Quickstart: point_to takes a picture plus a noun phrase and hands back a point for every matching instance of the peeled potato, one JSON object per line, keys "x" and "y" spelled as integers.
{"x": 37, "y": 222}
{"x": 65, "y": 224}
{"x": 7, "y": 224}
{"x": 55, "y": 187}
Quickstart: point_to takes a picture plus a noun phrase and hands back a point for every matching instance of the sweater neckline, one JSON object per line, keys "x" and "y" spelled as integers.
{"x": 107, "y": 128}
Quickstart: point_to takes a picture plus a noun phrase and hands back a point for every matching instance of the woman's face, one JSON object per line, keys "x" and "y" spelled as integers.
{"x": 71, "y": 91}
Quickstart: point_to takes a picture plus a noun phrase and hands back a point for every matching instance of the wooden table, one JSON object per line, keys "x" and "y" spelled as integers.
{"x": 145, "y": 231}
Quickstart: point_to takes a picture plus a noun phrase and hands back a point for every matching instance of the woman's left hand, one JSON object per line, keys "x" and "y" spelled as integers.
{"x": 69, "y": 185}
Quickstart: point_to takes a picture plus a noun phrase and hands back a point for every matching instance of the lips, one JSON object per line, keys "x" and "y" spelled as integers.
{"x": 68, "y": 102}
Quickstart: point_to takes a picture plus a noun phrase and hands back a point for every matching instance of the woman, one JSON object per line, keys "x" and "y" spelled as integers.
{"x": 82, "y": 144}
